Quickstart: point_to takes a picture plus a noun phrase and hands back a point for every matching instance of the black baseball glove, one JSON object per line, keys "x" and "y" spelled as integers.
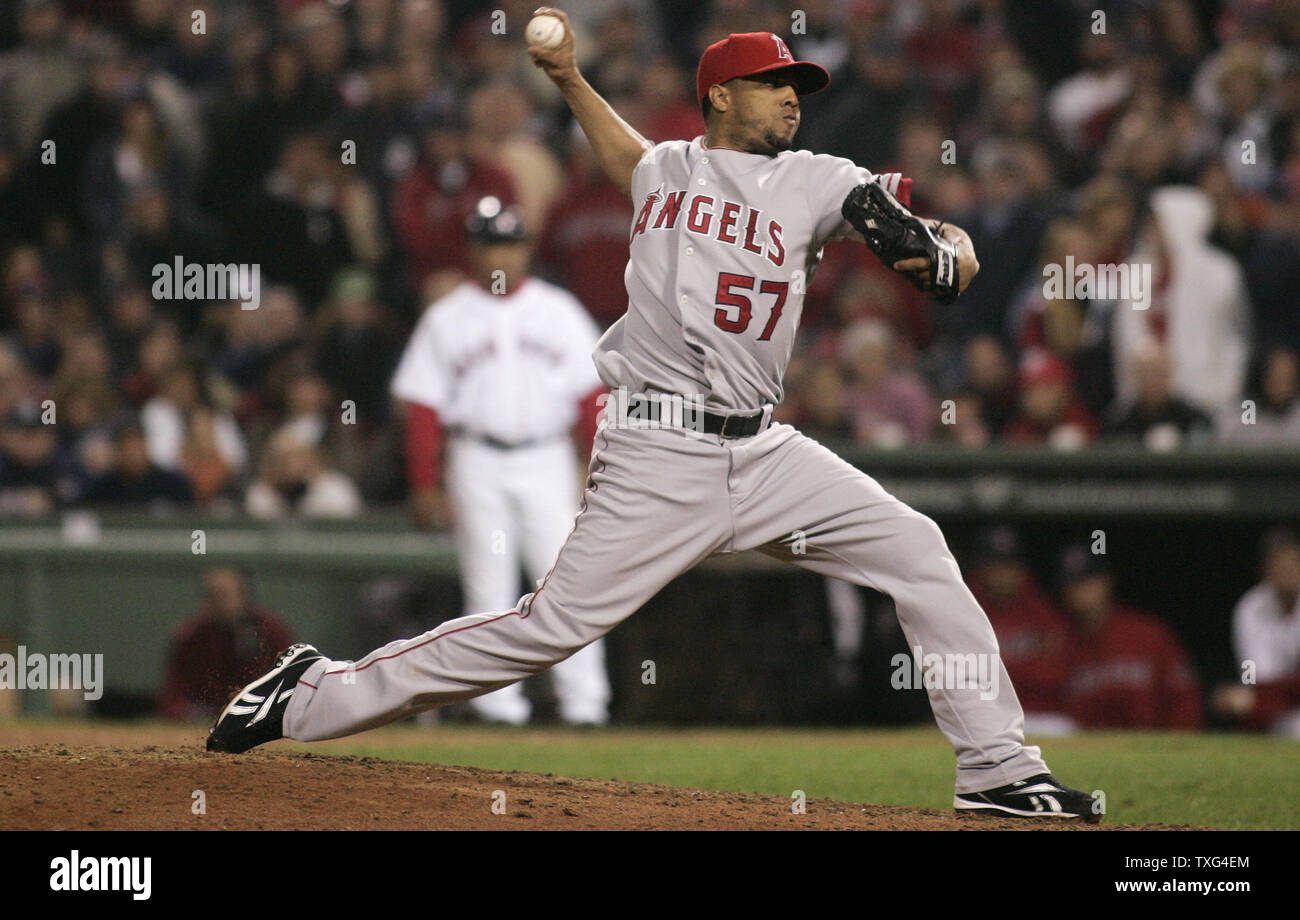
{"x": 894, "y": 233}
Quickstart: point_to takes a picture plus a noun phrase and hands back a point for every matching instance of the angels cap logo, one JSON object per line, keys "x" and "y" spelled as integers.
{"x": 781, "y": 50}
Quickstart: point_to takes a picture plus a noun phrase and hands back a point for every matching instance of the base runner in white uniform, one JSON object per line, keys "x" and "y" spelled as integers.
{"x": 505, "y": 375}
{"x": 687, "y": 463}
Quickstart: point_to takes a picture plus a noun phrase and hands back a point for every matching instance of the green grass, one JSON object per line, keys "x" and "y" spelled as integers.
{"x": 1212, "y": 780}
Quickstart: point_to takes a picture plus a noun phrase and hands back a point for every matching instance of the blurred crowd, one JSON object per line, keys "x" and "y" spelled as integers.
{"x": 338, "y": 145}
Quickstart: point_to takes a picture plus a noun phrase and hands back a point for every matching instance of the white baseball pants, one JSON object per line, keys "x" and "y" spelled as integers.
{"x": 512, "y": 506}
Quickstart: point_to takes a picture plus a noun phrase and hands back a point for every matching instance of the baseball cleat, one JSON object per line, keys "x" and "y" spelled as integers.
{"x": 256, "y": 714}
{"x": 1039, "y": 796}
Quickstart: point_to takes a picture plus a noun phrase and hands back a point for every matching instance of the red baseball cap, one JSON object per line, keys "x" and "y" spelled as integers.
{"x": 745, "y": 54}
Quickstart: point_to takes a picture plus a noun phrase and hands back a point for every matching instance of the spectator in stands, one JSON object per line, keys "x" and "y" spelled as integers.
{"x": 154, "y": 231}
{"x": 167, "y": 419}
{"x": 1244, "y": 111}
{"x": 500, "y": 132}
{"x": 1037, "y": 320}
{"x": 1083, "y": 105}
{"x": 584, "y": 245}
{"x": 1006, "y": 226}
{"x": 308, "y": 410}
{"x": 1109, "y": 209}
{"x": 159, "y": 351}
{"x": 39, "y": 74}
{"x": 84, "y": 355}
{"x": 35, "y": 339}
{"x": 29, "y": 463}
{"x": 1155, "y": 417}
{"x": 202, "y": 460}
{"x": 267, "y": 97}
{"x": 1198, "y": 309}
{"x": 192, "y": 56}
{"x": 875, "y": 90}
{"x": 320, "y": 33}
{"x": 16, "y": 384}
{"x": 1272, "y": 269}
{"x": 358, "y": 350}
{"x": 989, "y": 375}
{"x": 139, "y": 153}
{"x": 920, "y": 134}
{"x": 227, "y": 643}
{"x": 72, "y": 128}
{"x": 963, "y": 421}
{"x": 1050, "y": 413}
{"x": 1266, "y": 640}
{"x": 664, "y": 90}
{"x": 1033, "y": 635}
{"x": 1126, "y": 669}
{"x": 1270, "y": 416}
{"x": 1075, "y": 325}
{"x": 130, "y": 316}
{"x": 293, "y": 224}
{"x": 943, "y": 48}
{"x": 824, "y": 410}
{"x": 869, "y": 291}
{"x": 889, "y": 405}
{"x": 85, "y": 404}
{"x": 251, "y": 342}
{"x": 296, "y": 481}
{"x": 360, "y": 211}
{"x": 431, "y": 203}
{"x": 823, "y": 38}
{"x": 134, "y": 479}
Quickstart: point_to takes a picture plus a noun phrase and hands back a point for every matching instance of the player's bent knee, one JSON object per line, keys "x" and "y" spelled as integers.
{"x": 926, "y": 551}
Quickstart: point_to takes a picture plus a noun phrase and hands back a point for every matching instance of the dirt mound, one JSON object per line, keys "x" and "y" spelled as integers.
{"x": 52, "y": 786}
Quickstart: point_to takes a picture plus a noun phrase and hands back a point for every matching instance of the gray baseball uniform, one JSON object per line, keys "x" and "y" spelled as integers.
{"x": 722, "y": 247}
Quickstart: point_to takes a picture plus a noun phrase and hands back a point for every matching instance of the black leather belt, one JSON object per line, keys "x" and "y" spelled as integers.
{"x": 500, "y": 444}
{"x": 728, "y": 426}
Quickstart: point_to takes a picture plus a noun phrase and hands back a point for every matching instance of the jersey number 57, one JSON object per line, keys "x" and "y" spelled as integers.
{"x": 735, "y": 309}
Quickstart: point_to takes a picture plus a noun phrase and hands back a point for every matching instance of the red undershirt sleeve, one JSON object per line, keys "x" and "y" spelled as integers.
{"x": 589, "y": 409}
{"x": 424, "y": 436}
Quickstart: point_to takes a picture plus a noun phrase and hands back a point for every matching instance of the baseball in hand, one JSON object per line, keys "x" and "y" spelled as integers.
{"x": 545, "y": 31}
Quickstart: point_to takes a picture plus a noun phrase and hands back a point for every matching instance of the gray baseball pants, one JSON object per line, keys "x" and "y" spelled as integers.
{"x": 659, "y": 501}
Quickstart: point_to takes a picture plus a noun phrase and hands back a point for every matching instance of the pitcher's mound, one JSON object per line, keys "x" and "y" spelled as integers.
{"x": 50, "y": 786}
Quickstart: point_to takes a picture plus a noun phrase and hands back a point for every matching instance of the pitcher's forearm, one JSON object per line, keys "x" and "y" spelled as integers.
{"x": 617, "y": 146}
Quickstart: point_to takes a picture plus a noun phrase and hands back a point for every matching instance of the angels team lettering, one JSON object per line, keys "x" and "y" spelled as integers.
{"x": 726, "y": 222}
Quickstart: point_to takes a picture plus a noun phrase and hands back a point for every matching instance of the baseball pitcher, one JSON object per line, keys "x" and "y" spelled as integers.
{"x": 687, "y": 463}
